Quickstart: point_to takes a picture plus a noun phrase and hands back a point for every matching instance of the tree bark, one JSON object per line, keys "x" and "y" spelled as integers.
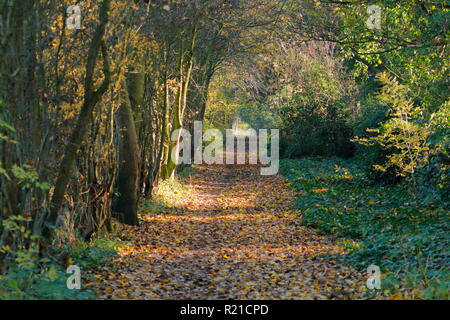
{"x": 127, "y": 203}
{"x": 91, "y": 98}
{"x": 180, "y": 104}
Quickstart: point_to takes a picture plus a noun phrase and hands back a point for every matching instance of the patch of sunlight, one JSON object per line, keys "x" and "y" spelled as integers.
{"x": 206, "y": 219}
{"x": 169, "y": 195}
{"x": 242, "y": 252}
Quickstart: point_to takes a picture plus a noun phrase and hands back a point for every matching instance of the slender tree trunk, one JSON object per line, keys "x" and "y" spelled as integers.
{"x": 91, "y": 98}
{"x": 165, "y": 136}
{"x": 181, "y": 102}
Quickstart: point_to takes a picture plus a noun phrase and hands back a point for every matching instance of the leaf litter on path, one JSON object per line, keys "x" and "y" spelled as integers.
{"x": 237, "y": 236}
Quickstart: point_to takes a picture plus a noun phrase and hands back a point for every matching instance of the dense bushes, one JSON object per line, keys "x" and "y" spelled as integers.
{"x": 303, "y": 90}
{"x": 315, "y": 130}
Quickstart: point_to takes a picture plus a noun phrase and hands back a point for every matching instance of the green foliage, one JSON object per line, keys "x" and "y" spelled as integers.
{"x": 440, "y": 127}
{"x": 433, "y": 181}
{"x": 24, "y": 248}
{"x": 27, "y": 176}
{"x": 168, "y": 195}
{"x": 315, "y": 129}
{"x": 95, "y": 253}
{"x": 33, "y": 278}
{"x": 43, "y": 282}
{"x": 186, "y": 172}
{"x": 406, "y": 236}
{"x": 7, "y": 130}
{"x": 412, "y": 46}
{"x": 406, "y": 143}
{"x": 401, "y": 135}
{"x": 29, "y": 276}
{"x": 302, "y": 90}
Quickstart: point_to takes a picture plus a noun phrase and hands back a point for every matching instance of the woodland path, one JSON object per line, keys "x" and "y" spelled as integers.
{"x": 237, "y": 236}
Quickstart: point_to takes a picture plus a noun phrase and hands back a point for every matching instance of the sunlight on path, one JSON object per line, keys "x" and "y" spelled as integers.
{"x": 238, "y": 236}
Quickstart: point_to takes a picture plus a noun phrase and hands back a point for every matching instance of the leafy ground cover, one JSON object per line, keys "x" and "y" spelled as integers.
{"x": 406, "y": 236}
{"x": 236, "y": 235}
{"x": 226, "y": 232}
{"x": 35, "y": 278}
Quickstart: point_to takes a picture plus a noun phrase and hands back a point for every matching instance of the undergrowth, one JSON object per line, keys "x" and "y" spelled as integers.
{"x": 405, "y": 235}
{"x": 169, "y": 194}
{"x": 30, "y": 277}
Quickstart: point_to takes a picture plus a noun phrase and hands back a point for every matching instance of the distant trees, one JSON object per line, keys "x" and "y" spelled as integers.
{"x": 319, "y": 80}
{"x": 299, "y": 87}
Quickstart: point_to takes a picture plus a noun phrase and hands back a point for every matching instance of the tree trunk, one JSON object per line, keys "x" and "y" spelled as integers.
{"x": 91, "y": 98}
{"x": 127, "y": 203}
{"x": 165, "y": 136}
{"x": 180, "y": 104}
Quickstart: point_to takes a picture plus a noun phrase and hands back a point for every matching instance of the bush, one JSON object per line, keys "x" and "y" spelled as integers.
{"x": 39, "y": 283}
{"x": 315, "y": 130}
{"x": 30, "y": 276}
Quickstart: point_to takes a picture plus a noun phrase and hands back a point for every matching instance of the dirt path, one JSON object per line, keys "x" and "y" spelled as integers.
{"x": 236, "y": 237}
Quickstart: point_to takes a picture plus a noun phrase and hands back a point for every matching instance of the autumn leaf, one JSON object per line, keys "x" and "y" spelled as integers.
{"x": 230, "y": 240}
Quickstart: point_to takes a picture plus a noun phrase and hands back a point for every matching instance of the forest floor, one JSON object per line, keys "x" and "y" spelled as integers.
{"x": 236, "y": 236}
